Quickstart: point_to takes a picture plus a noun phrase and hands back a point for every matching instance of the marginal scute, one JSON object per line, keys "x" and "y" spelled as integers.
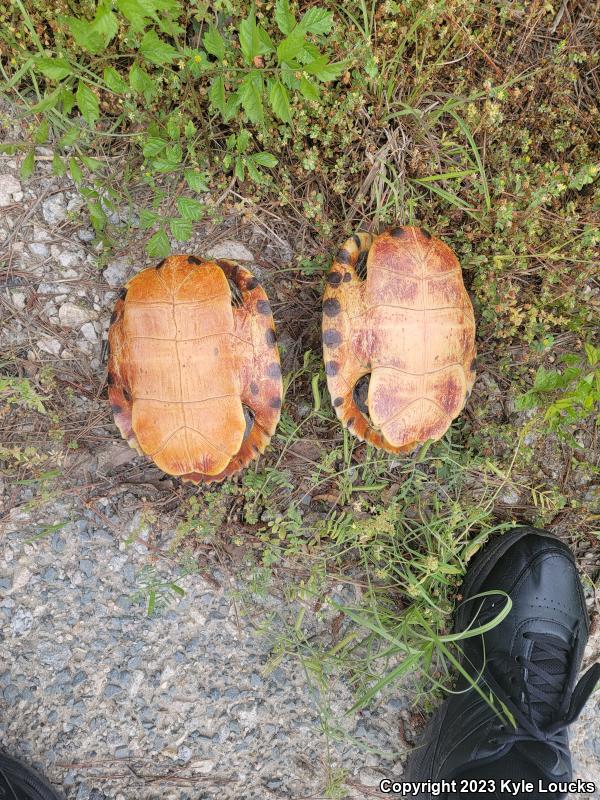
{"x": 404, "y": 345}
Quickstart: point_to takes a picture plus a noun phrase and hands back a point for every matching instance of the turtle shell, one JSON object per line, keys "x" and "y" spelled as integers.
{"x": 194, "y": 378}
{"x": 398, "y": 337}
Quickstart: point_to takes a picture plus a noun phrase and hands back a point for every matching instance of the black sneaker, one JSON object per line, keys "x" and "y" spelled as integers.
{"x": 528, "y": 662}
{"x": 18, "y": 782}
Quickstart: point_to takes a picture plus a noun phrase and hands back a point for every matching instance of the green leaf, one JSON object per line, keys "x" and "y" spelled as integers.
{"x": 75, "y": 170}
{"x": 214, "y": 43}
{"x": 137, "y": 12}
{"x": 323, "y": 70}
{"x": 87, "y": 103}
{"x": 84, "y": 34}
{"x": 114, "y": 81}
{"x": 48, "y": 101}
{"x": 280, "y": 102}
{"x": 308, "y": 89}
{"x": 180, "y": 228}
{"x": 41, "y": 135}
{"x": 264, "y": 159}
{"x": 216, "y": 93}
{"x": 69, "y": 138}
{"x": 155, "y": 50}
{"x": 93, "y": 164}
{"x": 153, "y": 146}
{"x": 283, "y": 16}
{"x": 254, "y": 40}
{"x": 148, "y": 219}
{"x": 254, "y": 172}
{"x": 54, "y": 68}
{"x": 239, "y": 171}
{"x": 189, "y": 208}
{"x": 231, "y": 106}
{"x": 106, "y": 24}
{"x": 141, "y": 82}
{"x": 250, "y": 93}
{"x": 68, "y": 101}
{"x": 290, "y": 47}
{"x": 58, "y": 165}
{"x": 316, "y": 20}
{"x": 97, "y": 216}
{"x": 196, "y": 180}
{"x": 158, "y": 245}
{"x": 28, "y": 165}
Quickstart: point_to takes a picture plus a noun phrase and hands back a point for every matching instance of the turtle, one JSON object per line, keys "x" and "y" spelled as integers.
{"x": 398, "y": 337}
{"x": 194, "y": 377}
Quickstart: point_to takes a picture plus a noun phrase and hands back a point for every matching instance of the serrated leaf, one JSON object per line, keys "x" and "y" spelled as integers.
{"x": 174, "y": 153}
{"x": 158, "y": 245}
{"x": 148, "y": 219}
{"x": 69, "y": 138}
{"x": 84, "y": 34}
{"x": 137, "y": 12}
{"x": 106, "y": 24}
{"x": 114, "y": 81}
{"x": 316, "y": 20}
{"x": 196, "y": 180}
{"x": 189, "y": 208}
{"x": 153, "y": 146}
{"x": 216, "y": 93}
{"x": 75, "y": 170}
{"x": 323, "y": 70}
{"x": 283, "y": 16}
{"x": 156, "y": 50}
{"x": 180, "y": 228}
{"x": 141, "y": 82}
{"x": 239, "y": 170}
{"x": 280, "y": 102}
{"x": 87, "y": 102}
{"x": 28, "y": 165}
{"x": 97, "y": 216}
{"x": 214, "y": 43}
{"x": 248, "y": 38}
{"x": 290, "y": 47}
{"x": 231, "y": 106}
{"x": 68, "y": 101}
{"x": 93, "y": 164}
{"x": 254, "y": 172}
{"x": 54, "y": 68}
{"x": 309, "y": 89}
{"x": 250, "y": 93}
{"x": 265, "y": 159}
{"x": 41, "y": 135}
{"x": 58, "y": 165}
{"x": 48, "y": 101}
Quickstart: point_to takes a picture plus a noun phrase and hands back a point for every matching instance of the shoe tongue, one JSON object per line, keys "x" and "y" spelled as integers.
{"x": 549, "y": 654}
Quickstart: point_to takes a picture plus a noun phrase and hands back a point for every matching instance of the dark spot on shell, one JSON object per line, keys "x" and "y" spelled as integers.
{"x": 343, "y": 256}
{"x": 126, "y": 395}
{"x": 334, "y": 278}
{"x": 351, "y": 421}
{"x": 361, "y": 266}
{"x": 347, "y": 277}
{"x": 426, "y": 233}
{"x": 115, "y": 408}
{"x": 255, "y": 449}
{"x": 274, "y": 370}
{"x": 263, "y": 307}
{"x": 397, "y": 232}
{"x": 254, "y": 388}
{"x": 270, "y": 336}
{"x": 123, "y": 294}
{"x": 249, "y": 417}
{"x": 194, "y": 260}
{"x": 331, "y": 337}
{"x": 356, "y": 240}
{"x": 275, "y": 402}
{"x": 110, "y": 380}
{"x": 159, "y": 265}
{"x": 251, "y": 283}
{"x": 113, "y": 317}
{"x": 331, "y": 307}
{"x": 338, "y": 401}
{"x": 473, "y": 364}
{"x": 331, "y": 368}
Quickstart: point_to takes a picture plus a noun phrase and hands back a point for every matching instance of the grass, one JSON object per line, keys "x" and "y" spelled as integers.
{"x": 299, "y": 124}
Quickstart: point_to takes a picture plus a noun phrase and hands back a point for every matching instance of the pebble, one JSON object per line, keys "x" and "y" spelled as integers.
{"x": 116, "y": 272}
{"x": 51, "y": 346}
{"x": 72, "y": 316}
{"x": 22, "y": 622}
{"x": 54, "y": 209}
{"x": 229, "y": 248}
{"x": 10, "y": 191}
{"x": 53, "y": 655}
{"x": 89, "y": 332}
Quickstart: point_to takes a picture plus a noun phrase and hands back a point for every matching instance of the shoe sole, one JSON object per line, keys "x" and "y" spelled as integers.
{"x": 26, "y": 781}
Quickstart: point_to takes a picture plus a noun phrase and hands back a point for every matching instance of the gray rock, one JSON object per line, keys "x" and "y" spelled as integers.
{"x": 229, "y": 248}
{"x": 89, "y": 332}
{"x": 54, "y": 209}
{"x": 10, "y": 190}
{"x": 54, "y": 655}
{"x": 72, "y": 316}
{"x": 51, "y": 346}
{"x": 22, "y": 622}
{"x": 116, "y": 272}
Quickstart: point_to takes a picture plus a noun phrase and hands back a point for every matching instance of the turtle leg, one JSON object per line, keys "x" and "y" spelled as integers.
{"x": 346, "y": 340}
{"x": 261, "y": 383}
{"x": 118, "y": 385}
